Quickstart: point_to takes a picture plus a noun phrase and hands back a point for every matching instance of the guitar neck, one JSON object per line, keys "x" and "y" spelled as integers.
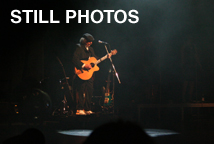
{"x": 101, "y": 59}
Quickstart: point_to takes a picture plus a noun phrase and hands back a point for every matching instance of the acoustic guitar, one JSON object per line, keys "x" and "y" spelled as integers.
{"x": 87, "y": 74}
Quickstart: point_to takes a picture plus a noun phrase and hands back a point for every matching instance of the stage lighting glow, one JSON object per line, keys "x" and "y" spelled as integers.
{"x": 159, "y": 132}
{"x": 150, "y": 132}
{"x": 76, "y": 132}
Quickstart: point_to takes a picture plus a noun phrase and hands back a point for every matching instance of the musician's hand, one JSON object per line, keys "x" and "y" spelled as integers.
{"x": 87, "y": 66}
{"x": 109, "y": 55}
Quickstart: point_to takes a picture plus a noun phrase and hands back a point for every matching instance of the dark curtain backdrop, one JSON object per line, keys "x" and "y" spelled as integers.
{"x": 31, "y": 50}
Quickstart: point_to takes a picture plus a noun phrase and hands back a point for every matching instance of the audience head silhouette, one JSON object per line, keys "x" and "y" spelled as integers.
{"x": 29, "y": 136}
{"x": 119, "y": 133}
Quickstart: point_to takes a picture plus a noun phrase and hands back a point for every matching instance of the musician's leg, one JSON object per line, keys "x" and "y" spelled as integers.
{"x": 80, "y": 90}
{"x": 89, "y": 93}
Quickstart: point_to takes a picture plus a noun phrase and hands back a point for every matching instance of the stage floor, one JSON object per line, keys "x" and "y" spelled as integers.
{"x": 65, "y": 129}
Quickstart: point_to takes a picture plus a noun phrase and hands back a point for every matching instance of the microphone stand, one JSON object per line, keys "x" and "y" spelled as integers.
{"x": 113, "y": 66}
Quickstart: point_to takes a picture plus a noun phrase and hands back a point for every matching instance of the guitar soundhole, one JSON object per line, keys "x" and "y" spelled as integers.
{"x": 92, "y": 64}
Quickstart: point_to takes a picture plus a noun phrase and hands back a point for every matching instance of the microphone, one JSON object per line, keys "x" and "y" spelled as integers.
{"x": 99, "y": 41}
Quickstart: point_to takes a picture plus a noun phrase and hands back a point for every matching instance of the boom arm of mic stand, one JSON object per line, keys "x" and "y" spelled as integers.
{"x": 113, "y": 67}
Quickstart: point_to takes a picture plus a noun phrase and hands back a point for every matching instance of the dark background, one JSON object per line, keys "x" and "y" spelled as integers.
{"x": 30, "y": 51}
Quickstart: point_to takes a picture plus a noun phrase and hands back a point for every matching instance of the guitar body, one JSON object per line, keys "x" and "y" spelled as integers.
{"x": 87, "y": 74}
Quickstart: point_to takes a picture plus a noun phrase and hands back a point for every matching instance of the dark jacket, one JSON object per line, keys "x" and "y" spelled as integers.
{"x": 82, "y": 54}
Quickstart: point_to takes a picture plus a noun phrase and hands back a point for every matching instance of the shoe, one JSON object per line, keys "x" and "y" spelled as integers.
{"x": 80, "y": 112}
{"x": 89, "y": 112}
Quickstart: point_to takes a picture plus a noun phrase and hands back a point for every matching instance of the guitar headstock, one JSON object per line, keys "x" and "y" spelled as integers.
{"x": 114, "y": 52}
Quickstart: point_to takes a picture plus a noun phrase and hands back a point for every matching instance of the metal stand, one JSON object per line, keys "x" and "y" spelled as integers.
{"x": 114, "y": 73}
{"x": 108, "y": 101}
{"x": 113, "y": 66}
{"x": 65, "y": 108}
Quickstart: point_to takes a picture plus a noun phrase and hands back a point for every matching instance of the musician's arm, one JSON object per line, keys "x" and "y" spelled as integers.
{"x": 109, "y": 55}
